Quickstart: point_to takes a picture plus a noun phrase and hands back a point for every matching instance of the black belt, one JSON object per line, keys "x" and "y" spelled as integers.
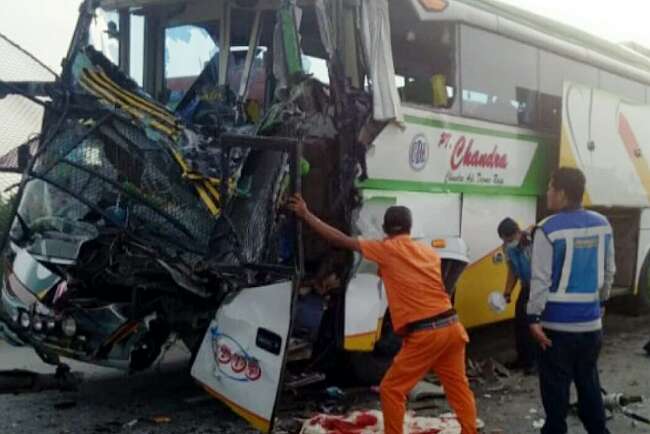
{"x": 441, "y": 320}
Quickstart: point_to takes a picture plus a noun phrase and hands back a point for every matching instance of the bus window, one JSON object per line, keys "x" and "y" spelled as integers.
{"x": 499, "y": 78}
{"x": 188, "y": 49}
{"x": 317, "y": 67}
{"x": 104, "y": 34}
{"x": 425, "y": 62}
{"x": 136, "y": 51}
{"x": 256, "y": 88}
{"x": 314, "y": 55}
{"x": 554, "y": 70}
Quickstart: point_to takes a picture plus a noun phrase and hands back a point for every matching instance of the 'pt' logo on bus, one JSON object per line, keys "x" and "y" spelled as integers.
{"x": 419, "y": 152}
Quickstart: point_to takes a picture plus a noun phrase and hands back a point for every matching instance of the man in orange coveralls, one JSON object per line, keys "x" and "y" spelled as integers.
{"x": 421, "y": 312}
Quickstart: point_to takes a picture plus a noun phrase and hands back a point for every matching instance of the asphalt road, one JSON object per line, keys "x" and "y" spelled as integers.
{"x": 109, "y": 401}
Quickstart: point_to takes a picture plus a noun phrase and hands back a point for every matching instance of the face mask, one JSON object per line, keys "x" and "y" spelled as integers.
{"x": 512, "y": 244}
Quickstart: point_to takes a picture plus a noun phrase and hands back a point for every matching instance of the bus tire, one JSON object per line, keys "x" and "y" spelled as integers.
{"x": 369, "y": 368}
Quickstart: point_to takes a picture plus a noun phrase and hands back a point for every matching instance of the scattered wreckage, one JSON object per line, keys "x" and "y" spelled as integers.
{"x": 134, "y": 224}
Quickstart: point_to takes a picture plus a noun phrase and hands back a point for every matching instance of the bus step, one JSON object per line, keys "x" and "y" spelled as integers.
{"x": 299, "y": 349}
{"x": 304, "y": 379}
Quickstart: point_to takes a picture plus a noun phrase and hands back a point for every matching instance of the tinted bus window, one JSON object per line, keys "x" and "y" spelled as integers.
{"x": 104, "y": 34}
{"x": 425, "y": 65}
{"x": 498, "y": 78}
{"x": 317, "y": 67}
{"x": 554, "y": 70}
{"x": 136, "y": 62}
{"x": 188, "y": 49}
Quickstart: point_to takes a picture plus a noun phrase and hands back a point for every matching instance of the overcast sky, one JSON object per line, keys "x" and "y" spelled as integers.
{"x": 44, "y": 27}
{"x": 618, "y": 21}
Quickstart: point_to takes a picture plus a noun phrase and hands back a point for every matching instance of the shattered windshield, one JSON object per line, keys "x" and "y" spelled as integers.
{"x": 104, "y": 34}
{"x": 41, "y": 201}
{"x": 188, "y": 50}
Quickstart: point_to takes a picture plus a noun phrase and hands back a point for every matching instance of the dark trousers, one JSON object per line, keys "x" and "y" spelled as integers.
{"x": 526, "y": 346}
{"x": 573, "y": 357}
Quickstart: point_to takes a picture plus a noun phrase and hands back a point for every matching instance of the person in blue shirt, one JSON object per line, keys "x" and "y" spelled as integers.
{"x": 517, "y": 246}
{"x": 571, "y": 276}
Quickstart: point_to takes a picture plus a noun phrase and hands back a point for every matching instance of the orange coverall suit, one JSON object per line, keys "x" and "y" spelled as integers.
{"x": 411, "y": 273}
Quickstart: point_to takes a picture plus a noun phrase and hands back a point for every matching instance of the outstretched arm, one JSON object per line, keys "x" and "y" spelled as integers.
{"x": 329, "y": 233}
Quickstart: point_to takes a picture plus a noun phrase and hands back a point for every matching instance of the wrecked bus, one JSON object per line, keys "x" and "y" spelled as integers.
{"x": 150, "y": 209}
{"x": 150, "y": 206}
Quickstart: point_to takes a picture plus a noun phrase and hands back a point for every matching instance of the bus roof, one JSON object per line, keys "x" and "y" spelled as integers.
{"x": 121, "y": 4}
{"x": 629, "y": 60}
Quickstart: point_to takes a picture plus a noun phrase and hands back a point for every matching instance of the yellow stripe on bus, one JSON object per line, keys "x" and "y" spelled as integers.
{"x": 126, "y": 100}
{"x": 110, "y": 98}
{"x": 634, "y": 152}
{"x": 146, "y": 105}
{"x": 258, "y": 422}
{"x": 102, "y": 93}
{"x": 361, "y": 342}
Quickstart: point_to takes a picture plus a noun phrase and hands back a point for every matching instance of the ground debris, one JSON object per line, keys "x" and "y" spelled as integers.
{"x": 24, "y": 381}
{"x": 428, "y": 404}
{"x": 65, "y": 405}
{"x": 538, "y": 423}
{"x": 424, "y": 390}
{"x": 159, "y": 420}
{"x": 303, "y": 379}
{"x": 108, "y": 427}
{"x": 487, "y": 370}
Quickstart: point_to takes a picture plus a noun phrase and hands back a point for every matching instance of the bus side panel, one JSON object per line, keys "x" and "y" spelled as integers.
{"x": 435, "y": 215}
{"x": 241, "y": 361}
{"x": 364, "y": 311}
{"x": 607, "y": 138}
{"x": 486, "y": 273}
{"x": 644, "y": 246}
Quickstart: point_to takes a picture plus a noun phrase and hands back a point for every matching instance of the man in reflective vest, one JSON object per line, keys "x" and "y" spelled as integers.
{"x": 421, "y": 312}
{"x": 572, "y": 274}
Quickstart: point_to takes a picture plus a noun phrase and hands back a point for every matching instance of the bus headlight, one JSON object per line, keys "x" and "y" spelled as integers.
{"x": 38, "y": 324}
{"x": 25, "y": 320}
{"x": 69, "y": 327}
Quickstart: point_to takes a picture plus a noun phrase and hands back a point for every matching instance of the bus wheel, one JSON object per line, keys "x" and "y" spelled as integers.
{"x": 369, "y": 368}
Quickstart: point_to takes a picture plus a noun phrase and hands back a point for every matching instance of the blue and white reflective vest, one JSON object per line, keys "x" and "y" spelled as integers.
{"x": 572, "y": 270}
